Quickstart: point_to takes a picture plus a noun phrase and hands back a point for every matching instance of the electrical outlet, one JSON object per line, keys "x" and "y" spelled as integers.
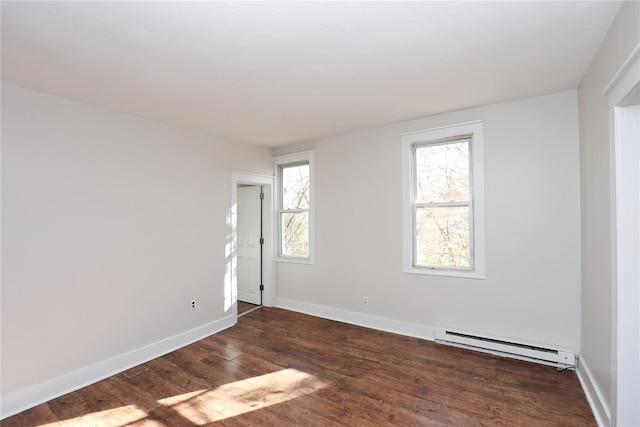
{"x": 193, "y": 304}
{"x": 365, "y": 300}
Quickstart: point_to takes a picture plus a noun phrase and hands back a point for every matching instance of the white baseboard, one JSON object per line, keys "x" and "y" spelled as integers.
{"x": 20, "y": 400}
{"x": 359, "y": 319}
{"x": 599, "y": 406}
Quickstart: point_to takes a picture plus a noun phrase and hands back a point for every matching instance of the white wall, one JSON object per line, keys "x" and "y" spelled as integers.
{"x": 622, "y": 38}
{"x": 111, "y": 224}
{"x": 532, "y": 289}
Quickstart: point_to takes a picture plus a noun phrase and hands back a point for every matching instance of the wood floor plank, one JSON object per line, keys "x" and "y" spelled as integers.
{"x": 177, "y": 375}
{"x": 130, "y": 393}
{"x": 40, "y": 415}
{"x": 69, "y": 406}
{"x": 281, "y": 368}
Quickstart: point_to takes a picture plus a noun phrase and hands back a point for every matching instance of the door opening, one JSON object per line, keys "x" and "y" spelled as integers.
{"x": 249, "y": 249}
{"x": 249, "y": 279}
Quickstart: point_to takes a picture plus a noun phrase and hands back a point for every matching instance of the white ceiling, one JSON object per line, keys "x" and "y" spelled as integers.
{"x": 272, "y": 73}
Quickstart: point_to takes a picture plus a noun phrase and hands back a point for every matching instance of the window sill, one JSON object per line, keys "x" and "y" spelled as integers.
{"x": 446, "y": 273}
{"x": 295, "y": 260}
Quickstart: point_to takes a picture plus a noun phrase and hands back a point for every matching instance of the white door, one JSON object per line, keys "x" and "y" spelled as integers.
{"x": 249, "y": 251}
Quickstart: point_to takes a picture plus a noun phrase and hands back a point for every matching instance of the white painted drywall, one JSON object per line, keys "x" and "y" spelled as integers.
{"x": 111, "y": 224}
{"x": 595, "y": 174}
{"x": 532, "y": 289}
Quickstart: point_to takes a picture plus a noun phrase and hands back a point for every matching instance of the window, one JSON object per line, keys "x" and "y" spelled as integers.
{"x": 443, "y": 201}
{"x": 295, "y": 214}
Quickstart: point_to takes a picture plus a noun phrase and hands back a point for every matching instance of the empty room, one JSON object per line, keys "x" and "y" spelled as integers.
{"x": 320, "y": 213}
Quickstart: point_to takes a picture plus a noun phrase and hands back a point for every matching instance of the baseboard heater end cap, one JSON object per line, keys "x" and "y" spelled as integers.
{"x": 566, "y": 358}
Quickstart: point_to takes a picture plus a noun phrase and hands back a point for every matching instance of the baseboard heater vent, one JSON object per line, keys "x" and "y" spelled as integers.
{"x": 507, "y": 348}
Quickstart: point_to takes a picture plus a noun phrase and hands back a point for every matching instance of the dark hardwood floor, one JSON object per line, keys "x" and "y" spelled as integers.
{"x": 280, "y": 368}
{"x": 243, "y": 307}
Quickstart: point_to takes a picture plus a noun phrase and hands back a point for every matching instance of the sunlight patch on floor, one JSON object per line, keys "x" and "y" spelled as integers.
{"x": 121, "y": 416}
{"x": 206, "y": 406}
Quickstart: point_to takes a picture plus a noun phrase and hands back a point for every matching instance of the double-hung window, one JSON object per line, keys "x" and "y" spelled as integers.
{"x": 444, "y": 201}
{"x": 295, "y": 204}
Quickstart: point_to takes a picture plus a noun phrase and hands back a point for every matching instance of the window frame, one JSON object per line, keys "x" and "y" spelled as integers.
{"x": 409, "y": 142}
{"x": 305, "y": 157}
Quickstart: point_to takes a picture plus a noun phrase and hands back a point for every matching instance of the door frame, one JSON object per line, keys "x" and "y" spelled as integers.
{"x": 250, "y": 220}
{"x": 268, "y": 184}
{"x": 625, "y": 373}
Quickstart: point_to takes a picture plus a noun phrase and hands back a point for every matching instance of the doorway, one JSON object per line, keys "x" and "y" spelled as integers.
{"x": 250, "y": 247}
{"x": 251, "y": 224}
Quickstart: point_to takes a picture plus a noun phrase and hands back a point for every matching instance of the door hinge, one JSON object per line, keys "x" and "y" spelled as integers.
{"x": 261, "y": 287}
{"x": 261, "y": 196}
{"x": 262, "y": 241}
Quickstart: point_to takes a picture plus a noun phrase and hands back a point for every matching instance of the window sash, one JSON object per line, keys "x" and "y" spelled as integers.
{"x": 283, "y": 235}
{"x": 416, "y": 264}
{"x": 415, "y": 206}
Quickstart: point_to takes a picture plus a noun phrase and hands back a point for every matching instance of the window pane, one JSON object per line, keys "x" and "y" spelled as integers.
{"x": 442, "y": 237}
{"x": 295, "y": 234}
{"x": 295, "y": 187}
{"x": 442, "y": 172}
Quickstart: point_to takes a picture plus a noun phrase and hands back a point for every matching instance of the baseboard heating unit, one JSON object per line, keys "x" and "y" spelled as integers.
{"x": 507, "y": 348}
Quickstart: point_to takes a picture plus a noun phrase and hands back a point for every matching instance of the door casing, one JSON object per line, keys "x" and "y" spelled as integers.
{"x": 623, "y": 94}
{"x": 268, "y": 184}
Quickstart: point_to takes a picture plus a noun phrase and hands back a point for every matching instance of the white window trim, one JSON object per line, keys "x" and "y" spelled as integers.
{"x": 304, "y": 156}
{"x": 477, "y": 169}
